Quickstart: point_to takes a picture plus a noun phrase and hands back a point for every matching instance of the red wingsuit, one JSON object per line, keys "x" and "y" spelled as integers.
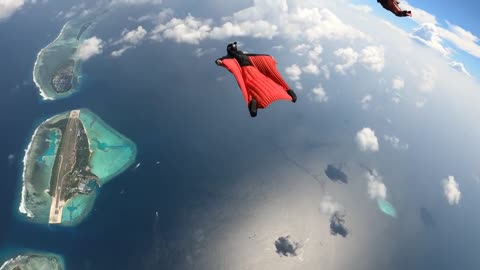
{"x": 258, "y": 78}
{"x": 392, "y": 5}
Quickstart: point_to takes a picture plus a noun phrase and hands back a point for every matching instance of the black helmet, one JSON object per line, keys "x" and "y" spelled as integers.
{"x": 232, "y": 47}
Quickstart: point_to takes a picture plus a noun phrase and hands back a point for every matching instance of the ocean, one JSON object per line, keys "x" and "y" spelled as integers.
{"x": 186, "y": 147}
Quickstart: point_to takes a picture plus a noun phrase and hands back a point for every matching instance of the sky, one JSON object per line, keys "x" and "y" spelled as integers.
{"x": 382, "y": 105}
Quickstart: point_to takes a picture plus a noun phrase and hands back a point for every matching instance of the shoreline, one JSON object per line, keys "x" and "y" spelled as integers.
{"x": 22, "y": 207}
{"x": 42, "y": 91}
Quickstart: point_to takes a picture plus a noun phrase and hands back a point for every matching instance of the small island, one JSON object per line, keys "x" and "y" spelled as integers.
{"x": 34, "y": 262}
{"x": 70, "y": 156}
{"x": 56, "y": 71}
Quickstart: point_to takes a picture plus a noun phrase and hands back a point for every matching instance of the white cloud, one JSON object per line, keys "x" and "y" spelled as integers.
{"x": 9, "y": 7}
{"x": 319, "y": 95}
{"x": 315, "y": 52}
{"x": 328, "y": 206}
{"x": 398, "y": 83}
{"x": 301, "y": 49}
{"x": 136, "y": 2}
{"x": 420, "y": 103}
{"x": 89, "y": 48}
{"x": 419, "y": 15}
{"x": 428, "y": 78}
{"x": 395, "y": 142}
{"x": 362, "y": 8}
{"x": 266, "y": 19}
{"x": 257, "y": 29}
{"x": 434, "y": 35}
{"x": 427, "y": 34}
{"x": 375, "y": 187}
{"x": 134, "y": 36}
{"x": 298, "y": 85}
{"x": 349, "y": 57}
{"x": 120, "y": 52}
{"x": 366, "y": 102}
{"x": 293, "y": 72}
{"x": 462, "y": 39}
{"x": 189, "y": 30}
{"x": 373, "y": 58}
{"x": 366, "y": 140}
{"x": 199, "y": 52}
{"x": 451, "y": 190}
{"x": 278, "y": 47}
{"x": 326, "y": 72}
{"x": 311, "y": 69}
{"x": 313, "y": 24}
{"x": 460, "y": 68}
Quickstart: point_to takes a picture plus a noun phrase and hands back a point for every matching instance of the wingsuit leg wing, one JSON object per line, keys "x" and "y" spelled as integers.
{"x": 268, "y": 66}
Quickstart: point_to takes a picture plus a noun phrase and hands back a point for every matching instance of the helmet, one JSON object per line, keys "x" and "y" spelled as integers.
{"x": 232, "y": 47}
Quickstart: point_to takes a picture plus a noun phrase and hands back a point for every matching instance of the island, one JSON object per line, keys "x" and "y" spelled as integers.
{"x": 56, "y": 71}
{"x": 69, "y": 157}
{"x": 34, "y": 262}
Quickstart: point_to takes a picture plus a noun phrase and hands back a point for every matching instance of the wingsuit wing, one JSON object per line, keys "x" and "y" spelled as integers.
{"x": 232, "y": 65}
{"x": 267, "y": 65}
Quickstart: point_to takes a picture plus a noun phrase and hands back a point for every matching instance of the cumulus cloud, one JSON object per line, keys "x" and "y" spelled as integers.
{"x": 460, "y": 68}
{"x": 286, "y": 246}
{"x": 9, "y": 7}
{"x": 451, "y": 190}
{"x": 311, "y": 69}
{"x": 336, "y": 174}
{"x": 434, "y": 35}
{"x": 373, "y": 58}
{"x": 257, "y": 29}
{"x": 326, "y": 72}
{"x": 311, "y": 24}
{"x": 298, "y": 85}
{"x": 134, "y": 36}
{"x": 375, "y": 186}
{"x": 89, "y": 48}
{"x": 328, "y": 206}
{"x": 129, "y": 39}
{"x": 395, "y": 142}
{"x": 136, "y": 2}
{"x": 349, "y": 58}
{"x": 293, "y": 72}
{"x": 398, "y": 83}
{"x": 120, "y": 52}
{"x": 319, "y": 95}
{"x": 337, "y": 224}
{"x": 362, "y": 8}
{"x": 366, "y": 101}
{"x": 199, "y": 52}
{"x": 366, "y": 140}
{"x": 420, "y": 103}
{"x": 427, "y": 79}
{"x": 189, "y": 30}
{"x": 427, "y": 34}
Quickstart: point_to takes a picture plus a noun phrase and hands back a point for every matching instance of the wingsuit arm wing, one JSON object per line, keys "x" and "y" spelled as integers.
{"x": 268, "y": 66}
{"x": 232, "y": 65}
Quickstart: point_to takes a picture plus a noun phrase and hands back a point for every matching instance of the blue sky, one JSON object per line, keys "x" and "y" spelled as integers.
{"x": 461, "y": 14}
